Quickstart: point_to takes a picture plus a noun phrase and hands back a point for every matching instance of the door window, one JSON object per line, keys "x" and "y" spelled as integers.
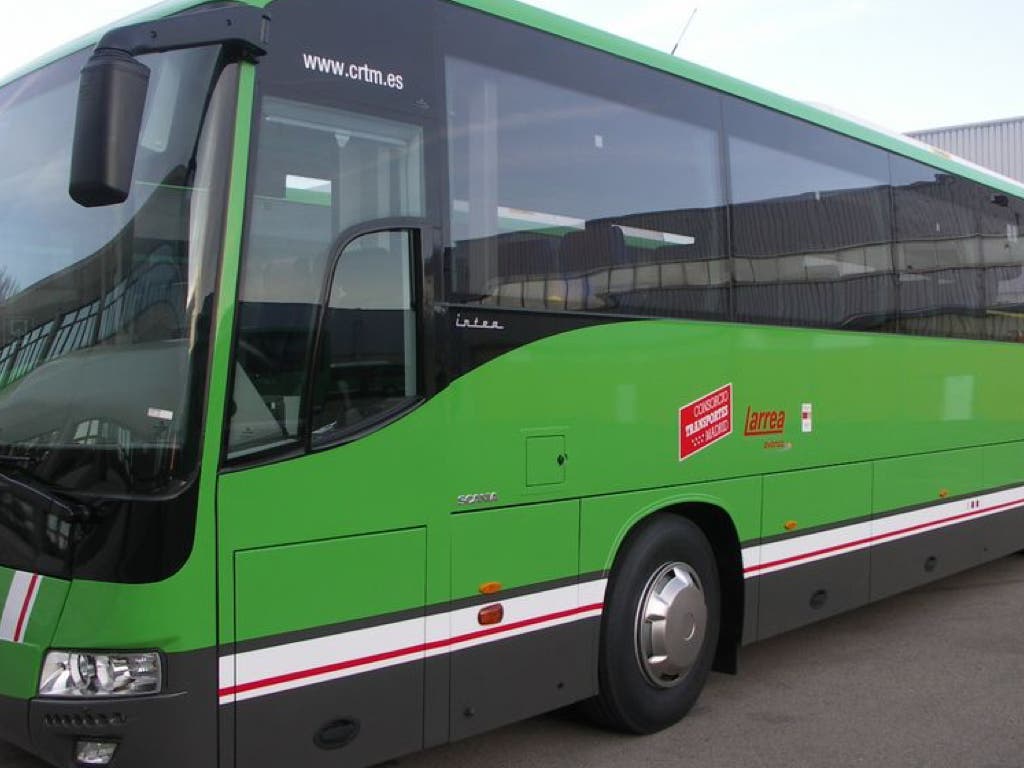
{"x": 319, "y": 172}
{"x": 366, "y": 356}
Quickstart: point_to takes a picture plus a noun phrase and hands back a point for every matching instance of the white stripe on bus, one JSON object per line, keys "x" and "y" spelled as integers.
{"x": 307, "y": 662}
{"x": 763, "y": 559}
{"x": 21, "y": 600}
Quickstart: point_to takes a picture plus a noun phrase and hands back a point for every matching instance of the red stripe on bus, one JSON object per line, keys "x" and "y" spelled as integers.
{"x": 881, "y": 536}
{"x": 412, "y": 650}
{"x": 18, "y": 635}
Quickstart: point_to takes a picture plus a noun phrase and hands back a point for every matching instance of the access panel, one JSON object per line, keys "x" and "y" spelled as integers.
{"x": 329, "y": 668}
{"x": 524, "y": 629}
{"x": 926, "y": 523}
{"x": 810, "y": 518}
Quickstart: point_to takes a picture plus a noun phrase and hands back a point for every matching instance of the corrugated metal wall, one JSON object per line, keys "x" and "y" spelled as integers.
{"x": 998, "y": 145}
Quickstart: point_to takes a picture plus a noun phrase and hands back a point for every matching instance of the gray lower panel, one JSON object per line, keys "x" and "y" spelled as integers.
{"x": 14, "y": 722}
{"x": 803, "y": 594}
{"x": 438, "y": 675}
{"x": 519, "y": 677}
{"x": 806, "y": 593}
{"x": 751, "y": 601}
{"x": 354, "y": 721}
{"x": 226, "y": 723}
{"x": 907, "y": 563}
{"x": 1002, "y": 535}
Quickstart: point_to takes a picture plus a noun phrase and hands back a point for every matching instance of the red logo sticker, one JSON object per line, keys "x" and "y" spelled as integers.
{"x": 705, "y": 421}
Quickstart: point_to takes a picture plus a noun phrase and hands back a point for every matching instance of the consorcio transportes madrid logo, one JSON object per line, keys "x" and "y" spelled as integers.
{"x": 706, "y": 420}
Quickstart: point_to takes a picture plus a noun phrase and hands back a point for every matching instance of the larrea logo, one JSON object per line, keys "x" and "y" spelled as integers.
{"x": 761, "y": 423}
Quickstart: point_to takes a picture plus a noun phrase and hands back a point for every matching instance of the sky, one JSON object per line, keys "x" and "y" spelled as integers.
{"x": 902, "y": 64}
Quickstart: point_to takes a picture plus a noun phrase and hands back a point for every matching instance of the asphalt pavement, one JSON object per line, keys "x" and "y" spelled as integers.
{"x": 929, "y": 679}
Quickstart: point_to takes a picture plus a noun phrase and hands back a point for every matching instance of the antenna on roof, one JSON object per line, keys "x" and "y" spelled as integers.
{"x": 682, "y": 34}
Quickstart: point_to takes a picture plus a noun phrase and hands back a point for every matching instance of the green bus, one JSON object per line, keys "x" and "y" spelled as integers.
{"x": 375, "y": 373}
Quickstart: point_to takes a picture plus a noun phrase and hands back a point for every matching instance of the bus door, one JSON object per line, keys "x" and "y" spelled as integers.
{"x": 323, "y": 556}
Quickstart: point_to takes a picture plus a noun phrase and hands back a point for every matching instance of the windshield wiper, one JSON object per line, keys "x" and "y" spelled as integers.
{"x": 30, "y": 489}
{"x": 16, "y": 461}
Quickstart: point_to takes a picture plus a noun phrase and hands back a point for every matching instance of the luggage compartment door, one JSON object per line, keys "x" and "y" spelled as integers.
{"x": 531, "y": 645}
{"x": 328, "y": 669}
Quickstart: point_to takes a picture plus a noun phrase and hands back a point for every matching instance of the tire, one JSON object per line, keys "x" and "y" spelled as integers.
{"x": 666, "y": 555}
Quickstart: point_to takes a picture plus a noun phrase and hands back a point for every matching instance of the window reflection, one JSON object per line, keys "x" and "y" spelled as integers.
{"x": 562, "y": 200}
{"x": 100, "y": 307}
{"x": 319, "y": 172}
{"x": 367, "y": 363}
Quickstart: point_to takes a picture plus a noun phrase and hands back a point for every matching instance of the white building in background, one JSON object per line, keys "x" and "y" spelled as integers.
{"x": 998, "y": 145}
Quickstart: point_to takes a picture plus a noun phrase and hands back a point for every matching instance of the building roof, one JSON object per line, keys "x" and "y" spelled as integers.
{"x": 995, "y": 144}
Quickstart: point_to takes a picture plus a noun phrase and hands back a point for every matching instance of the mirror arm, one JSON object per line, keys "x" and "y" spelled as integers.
{"x": 241, "y": 29}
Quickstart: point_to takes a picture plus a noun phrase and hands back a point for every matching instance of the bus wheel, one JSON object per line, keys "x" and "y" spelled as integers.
{"x": 660, "y": 629}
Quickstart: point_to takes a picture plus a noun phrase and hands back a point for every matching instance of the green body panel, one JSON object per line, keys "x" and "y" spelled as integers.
{"x": 606, "y": 520}
{"x": 273, "y": 585}
{"x": 390, "y": 480}
{"x": 173, "y": 615}
{"x": 931, "y": 478}
{"x": 514, "y": 547}
{"x": 873, "y": 396}
{"x": 1001, "y": 464}
{"x": 20, "y": 662}
{"x": 46, "y": 611}
{"x": 877, "y": 400}
{"x": 815, "y": 498}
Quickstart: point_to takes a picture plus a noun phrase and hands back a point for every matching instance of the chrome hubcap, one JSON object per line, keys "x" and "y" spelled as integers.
{"x": 671, "y": 623}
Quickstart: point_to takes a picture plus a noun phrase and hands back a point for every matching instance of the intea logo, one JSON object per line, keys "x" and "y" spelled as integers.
{"x": 761, "y": 423}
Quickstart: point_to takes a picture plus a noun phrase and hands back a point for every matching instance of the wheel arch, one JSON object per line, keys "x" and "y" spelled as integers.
{"x": 718, "y": 527}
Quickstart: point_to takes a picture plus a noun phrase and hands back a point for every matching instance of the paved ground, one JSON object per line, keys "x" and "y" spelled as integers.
{"x": 932, "y": 678}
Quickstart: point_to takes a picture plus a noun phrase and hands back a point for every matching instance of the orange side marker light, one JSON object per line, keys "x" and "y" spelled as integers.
{"x": 790, "y": 525}
{"x": 943, "y": 493}
{"x": 492, "y": 614}
{"x": 490, "y": 587}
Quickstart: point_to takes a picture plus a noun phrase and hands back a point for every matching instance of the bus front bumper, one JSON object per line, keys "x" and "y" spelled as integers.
{"x": 152, "y": 731}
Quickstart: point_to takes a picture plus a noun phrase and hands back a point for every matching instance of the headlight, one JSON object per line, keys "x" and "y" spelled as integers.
{"x": 73, "y": 673}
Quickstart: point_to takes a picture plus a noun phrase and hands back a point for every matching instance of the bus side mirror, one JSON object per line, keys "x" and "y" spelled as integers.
{"x": 112, "y": 91}
{"x": 111, "y": 102}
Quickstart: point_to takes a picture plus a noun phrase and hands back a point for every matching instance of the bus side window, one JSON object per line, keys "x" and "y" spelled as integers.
{"x": 567, "y": 200}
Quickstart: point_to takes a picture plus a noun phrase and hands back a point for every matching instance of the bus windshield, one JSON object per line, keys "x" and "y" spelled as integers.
{"x": 102, "y": 333}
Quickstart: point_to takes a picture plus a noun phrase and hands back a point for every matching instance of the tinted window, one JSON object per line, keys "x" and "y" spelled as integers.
{"x": 810, "y": 223}
{"x": 366, "y": 363}
{"x": 104, "y": 312}
{"x": 959, "y": 255}
{"x": 580, "y": 183}
{"x": 319, "y": 171}
{"x": 1002, "y": 257}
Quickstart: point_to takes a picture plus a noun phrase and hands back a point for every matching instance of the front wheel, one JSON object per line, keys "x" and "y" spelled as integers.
{"x": 660, "y": 629}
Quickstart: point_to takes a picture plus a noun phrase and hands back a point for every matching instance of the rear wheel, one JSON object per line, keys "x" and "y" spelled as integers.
{"x": 660, "y": 628}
